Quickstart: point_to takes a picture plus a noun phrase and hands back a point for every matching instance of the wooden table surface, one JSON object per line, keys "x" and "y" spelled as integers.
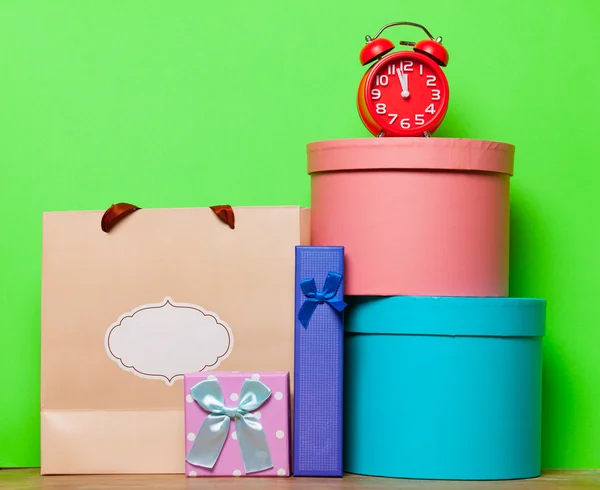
{"x": 31, "y": 480}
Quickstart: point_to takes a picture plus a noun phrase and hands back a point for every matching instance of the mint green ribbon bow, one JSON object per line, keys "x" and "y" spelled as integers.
{"x": 213, "y": 432}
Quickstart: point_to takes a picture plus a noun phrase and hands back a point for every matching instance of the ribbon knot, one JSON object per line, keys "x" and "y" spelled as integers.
{"x": 315, "y": 297}
{"x": 320, "y": 297}
{"x": 213, "y": 432}
{"x": 232, "y": 412}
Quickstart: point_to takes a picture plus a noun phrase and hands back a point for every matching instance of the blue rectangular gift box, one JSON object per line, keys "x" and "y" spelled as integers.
{"x": 318, "y": 361}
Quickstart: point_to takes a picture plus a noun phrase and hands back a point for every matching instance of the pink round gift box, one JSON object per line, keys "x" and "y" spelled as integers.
{"x": 417, "y": 216}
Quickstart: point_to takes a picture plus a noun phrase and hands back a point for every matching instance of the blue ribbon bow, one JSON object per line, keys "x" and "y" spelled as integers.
{"x": 315, "y": 298}
{"x": 213, "y": 432}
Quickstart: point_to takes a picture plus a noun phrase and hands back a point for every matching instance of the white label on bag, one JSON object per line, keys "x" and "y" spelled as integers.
{"x": 168, "y": 339}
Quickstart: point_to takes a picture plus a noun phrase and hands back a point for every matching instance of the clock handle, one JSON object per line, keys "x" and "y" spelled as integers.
{"x": 405, "y": 43}
{"x": 377, "y": 47}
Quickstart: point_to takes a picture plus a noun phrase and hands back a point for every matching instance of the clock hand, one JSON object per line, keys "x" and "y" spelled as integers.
{"x": 401, "y": 78}
{"x": 404, "y": 82}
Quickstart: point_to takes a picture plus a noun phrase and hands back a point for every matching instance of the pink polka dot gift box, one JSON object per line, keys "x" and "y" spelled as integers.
{"x": 237, "y": 424}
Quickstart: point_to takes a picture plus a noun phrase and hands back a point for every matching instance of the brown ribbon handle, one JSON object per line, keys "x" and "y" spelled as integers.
{"x": 225, "y": 214}
{"x": 116, "y": 213}
{"x": 119, "y": 211}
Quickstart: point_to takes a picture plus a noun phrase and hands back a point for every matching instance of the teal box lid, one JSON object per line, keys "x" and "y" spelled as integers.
{"x": 449, "y": 316}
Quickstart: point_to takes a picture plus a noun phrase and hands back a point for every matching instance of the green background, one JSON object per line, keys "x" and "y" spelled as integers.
{"x": 179, "y": 103}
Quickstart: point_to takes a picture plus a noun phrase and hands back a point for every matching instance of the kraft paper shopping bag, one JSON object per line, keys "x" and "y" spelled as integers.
{"x": 132, "y": 299}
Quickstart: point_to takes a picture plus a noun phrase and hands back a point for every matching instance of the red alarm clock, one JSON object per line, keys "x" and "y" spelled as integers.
{"x": 404, "y": 93}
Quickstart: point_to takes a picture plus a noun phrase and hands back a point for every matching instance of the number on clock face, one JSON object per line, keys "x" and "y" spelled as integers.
{"x": 406, "y": 94}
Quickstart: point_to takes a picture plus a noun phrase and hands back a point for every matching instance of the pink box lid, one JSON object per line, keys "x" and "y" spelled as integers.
{"x": 410, "y": 154}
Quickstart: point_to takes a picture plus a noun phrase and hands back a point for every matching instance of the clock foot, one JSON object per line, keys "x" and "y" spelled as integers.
{"x": 426, "y": 134}
{"x": 381, "y": 134}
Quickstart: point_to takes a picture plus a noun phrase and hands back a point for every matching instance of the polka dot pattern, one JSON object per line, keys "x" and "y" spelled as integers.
{"x": 273, "y": 423}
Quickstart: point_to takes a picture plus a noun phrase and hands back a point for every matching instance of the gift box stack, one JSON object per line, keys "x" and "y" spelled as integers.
{"x": 370, "y": 334}
{"x": 442, "y": 369}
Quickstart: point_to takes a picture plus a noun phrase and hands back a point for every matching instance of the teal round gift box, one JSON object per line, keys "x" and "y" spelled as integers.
{"x": 443, "y": 387}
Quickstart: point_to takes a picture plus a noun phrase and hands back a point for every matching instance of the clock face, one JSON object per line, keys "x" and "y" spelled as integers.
{"x": 406, "y": 94}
